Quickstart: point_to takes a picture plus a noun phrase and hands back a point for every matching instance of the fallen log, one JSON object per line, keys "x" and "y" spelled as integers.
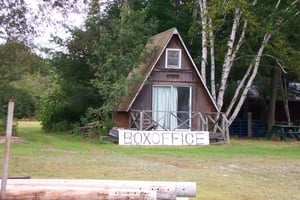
{"x": 75, "y": 193}
{"x": 162, "y": 190}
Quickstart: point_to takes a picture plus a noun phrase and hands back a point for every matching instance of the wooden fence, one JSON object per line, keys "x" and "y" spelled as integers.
{"x": 215, "y": 123}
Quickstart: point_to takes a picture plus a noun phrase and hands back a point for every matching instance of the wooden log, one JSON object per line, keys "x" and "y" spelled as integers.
{"x": 75, "y": 193}
{"x": 164, "y": 190}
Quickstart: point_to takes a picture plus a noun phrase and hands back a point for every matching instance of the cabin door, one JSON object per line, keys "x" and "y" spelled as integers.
{"x": 171, "y": 107}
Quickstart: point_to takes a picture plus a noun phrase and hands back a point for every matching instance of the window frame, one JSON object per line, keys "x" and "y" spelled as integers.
{"x": 178, "y": 66}
{"x": 173, "y": 87}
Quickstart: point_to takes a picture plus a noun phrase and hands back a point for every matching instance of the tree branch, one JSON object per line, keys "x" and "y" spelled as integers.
{"x": 237, "y": 91}
{"x": 277, "y": 61}
{"x": 265, "y": 41}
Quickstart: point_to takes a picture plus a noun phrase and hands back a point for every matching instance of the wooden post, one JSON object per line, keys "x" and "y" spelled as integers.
{"x": 7, "y": 147}
{"x": 141, "y": 120}
{"x": 249, "y": 124}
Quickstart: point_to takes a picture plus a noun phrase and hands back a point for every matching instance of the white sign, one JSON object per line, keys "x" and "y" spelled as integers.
{"x": 132, "y": 137}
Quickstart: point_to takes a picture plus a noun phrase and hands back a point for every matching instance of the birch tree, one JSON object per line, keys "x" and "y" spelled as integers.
{"x": 246, "y": 20}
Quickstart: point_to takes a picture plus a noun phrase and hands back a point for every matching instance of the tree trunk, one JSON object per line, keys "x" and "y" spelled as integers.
{"x": 204, "y": 23}
{"x": 285, "y": 98}
{"x": 226, "y": 68}
{"x": 195, "y": 9}
{"x": 273, "y": 97}
{"x": 212, "y": 60}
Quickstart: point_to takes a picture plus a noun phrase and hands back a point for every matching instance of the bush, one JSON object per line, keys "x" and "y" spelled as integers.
{"x": 24, "y": 103}
{"x": 61, "y": 109}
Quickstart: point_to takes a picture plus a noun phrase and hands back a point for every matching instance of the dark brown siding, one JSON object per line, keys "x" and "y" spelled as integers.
{"x": 122, "y": 120}
{"x": 144, "y": 99}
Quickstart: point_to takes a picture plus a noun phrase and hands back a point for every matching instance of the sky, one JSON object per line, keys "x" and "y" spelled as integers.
{"x": 46, "y": 31}
{"x": 50, "y": 22}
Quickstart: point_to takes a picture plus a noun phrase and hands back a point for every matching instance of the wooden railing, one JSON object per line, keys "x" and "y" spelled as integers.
{"x": 215, "y": 123}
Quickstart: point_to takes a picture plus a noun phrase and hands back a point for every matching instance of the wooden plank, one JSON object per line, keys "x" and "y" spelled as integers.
{"x": 164, "y": 190}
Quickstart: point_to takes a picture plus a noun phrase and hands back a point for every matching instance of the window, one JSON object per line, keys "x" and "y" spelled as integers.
{"x": 173, "y": 58}
{"x": 171, "y": 107}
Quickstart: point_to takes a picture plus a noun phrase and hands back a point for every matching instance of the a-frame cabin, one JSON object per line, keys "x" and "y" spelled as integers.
{"x": 172, "y": 95}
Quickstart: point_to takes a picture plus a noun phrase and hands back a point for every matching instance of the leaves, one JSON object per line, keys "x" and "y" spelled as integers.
{"x": 13, "y": 22}
{"x": 16, "y": 60}
{"x": 116, "y": 51}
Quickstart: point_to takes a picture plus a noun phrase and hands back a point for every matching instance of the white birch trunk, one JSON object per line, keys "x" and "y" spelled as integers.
{"x": 233, "y": 47}
{"x": 228, "y": 58}
{"x": 241, "y": 84}
{"x": 203, "y": 12}
{"x": 265, "y": 41}
{"x": 212, "y": 60}
{"x": 238, "y": 90}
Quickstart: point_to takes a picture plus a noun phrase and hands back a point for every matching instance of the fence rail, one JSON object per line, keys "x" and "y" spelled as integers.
{"x": 215, "y": 123}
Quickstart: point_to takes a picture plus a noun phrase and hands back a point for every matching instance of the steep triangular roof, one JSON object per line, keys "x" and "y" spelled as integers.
{"x": 159, "y": 42}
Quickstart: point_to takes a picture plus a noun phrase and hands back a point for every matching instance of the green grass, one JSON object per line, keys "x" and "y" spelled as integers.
{"x": 244, "y": 169}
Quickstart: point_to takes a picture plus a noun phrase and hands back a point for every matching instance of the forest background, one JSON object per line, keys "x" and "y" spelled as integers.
{"x": 235, "y": 44}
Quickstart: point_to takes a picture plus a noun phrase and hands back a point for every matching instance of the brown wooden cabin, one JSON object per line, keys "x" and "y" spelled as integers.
{"x": 172, "y": 95}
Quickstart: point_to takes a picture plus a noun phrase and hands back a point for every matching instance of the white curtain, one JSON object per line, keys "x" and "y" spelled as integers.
{"x": 164, "y": 108}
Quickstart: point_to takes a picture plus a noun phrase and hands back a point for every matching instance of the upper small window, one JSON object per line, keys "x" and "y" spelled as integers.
{"x": 173, "y": 58}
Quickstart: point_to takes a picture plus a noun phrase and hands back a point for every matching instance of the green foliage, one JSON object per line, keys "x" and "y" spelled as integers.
{"x": 285, "y": 48}
{"x": 24, "y": 102}
{"x": 116, "y": 51}
{"x": 34, "y": 84}
{"x": 71, "y": 93}
{"x": 17, "y": 66}
{"x": 262, "y": 18}
{"x": 174, "y": 13}
{"x": 64, "y": 105}
{"x": 52, "y": 110}
{"x": 16, "y": 60}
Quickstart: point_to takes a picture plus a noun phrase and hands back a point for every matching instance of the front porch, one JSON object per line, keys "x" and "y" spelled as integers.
{"x": 215, "y": 123}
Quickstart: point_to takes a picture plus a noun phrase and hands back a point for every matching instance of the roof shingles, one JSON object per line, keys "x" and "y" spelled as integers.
{"x": 155, "y": 47}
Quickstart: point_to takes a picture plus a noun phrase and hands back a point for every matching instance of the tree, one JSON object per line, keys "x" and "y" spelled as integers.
{"x": 19, "y": 25}
{"x": 179, "y": 14}
{"x": 92, "y": 75}
{"x": 247, "y": 29}
{"x": 23, "y": 21}
{"x": 17, "y": 62}
{"x": 71, "y": 92}
{"x": 285, "y": 55}
{"x": 13, "y": 22}
{"x": 118, "y": 49}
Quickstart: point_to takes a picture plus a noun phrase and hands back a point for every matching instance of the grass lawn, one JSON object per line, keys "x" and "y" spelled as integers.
{"x": 245, "y": 169}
